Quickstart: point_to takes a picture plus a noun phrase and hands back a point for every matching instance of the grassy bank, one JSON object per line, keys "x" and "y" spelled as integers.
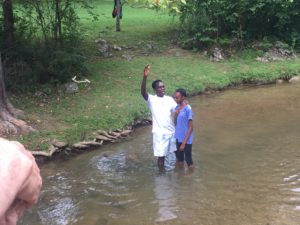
{"x": 113, "y": 100}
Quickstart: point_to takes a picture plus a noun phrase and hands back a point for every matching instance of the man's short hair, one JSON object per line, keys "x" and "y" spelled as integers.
{"x": 154, "y": 83}
{"x": 181, "y": 91}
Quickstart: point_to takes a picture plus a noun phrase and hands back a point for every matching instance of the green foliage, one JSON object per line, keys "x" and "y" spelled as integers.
{"x": 170, "y": 6}
{"x": 47, "y": 44}
{"x": 242, "y": 21}
{"x": 63, "y": 65}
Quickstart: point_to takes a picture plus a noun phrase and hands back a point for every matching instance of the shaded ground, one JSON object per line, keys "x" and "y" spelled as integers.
{"x": 46, "y": 123}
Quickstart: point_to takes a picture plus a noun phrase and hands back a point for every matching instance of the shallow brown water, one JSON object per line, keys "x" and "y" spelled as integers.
{"x": 247, "y": 170}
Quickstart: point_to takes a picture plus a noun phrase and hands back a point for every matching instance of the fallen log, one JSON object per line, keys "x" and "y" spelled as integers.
{"x": 106, "y": 134}
{"x": 103, "y": 138}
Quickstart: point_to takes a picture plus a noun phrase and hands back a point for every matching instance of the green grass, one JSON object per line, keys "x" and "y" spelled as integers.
{"x": 113, "y": 99}
{"x": 137, "y": 25}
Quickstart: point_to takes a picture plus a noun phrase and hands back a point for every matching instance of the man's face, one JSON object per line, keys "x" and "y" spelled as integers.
{"x": 160, "y": 89}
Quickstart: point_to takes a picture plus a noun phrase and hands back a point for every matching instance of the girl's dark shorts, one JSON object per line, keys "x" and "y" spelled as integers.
{"x": 186, "y": 154}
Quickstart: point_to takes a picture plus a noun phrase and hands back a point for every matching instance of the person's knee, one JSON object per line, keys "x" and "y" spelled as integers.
{"x": 22, "y": 191}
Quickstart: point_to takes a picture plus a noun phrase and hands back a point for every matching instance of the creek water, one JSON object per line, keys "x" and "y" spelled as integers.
{"x": 247, "y": 170}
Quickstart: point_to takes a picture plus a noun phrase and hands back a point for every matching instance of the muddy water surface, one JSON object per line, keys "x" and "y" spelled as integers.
{"x": 247, "y": 170}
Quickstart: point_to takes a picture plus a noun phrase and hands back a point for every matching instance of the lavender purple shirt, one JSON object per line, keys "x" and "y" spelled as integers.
{"x": 182, "y": 124}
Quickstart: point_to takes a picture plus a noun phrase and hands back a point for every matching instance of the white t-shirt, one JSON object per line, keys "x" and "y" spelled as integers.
{"x": 162, "y": 109}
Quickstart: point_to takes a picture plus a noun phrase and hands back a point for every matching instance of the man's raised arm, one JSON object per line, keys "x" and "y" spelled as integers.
{"x": 144, "y": 82}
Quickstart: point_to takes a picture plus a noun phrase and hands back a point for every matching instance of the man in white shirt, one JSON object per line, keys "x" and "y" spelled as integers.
{"x": 163, "y": 128}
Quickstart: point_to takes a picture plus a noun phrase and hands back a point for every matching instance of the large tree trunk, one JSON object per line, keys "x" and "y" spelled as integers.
{"x": 8, "y": 24}
{"x": 9, "y": 124}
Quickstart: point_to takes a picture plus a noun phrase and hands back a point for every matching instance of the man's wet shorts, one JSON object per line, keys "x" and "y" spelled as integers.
{"x": 163, "y": 143}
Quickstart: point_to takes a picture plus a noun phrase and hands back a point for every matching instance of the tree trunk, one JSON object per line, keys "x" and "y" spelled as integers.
{"x": 8, "y": 24}
{"x": 9, "y": 124}
{"x": 57, "y": 29}
{"x": 41, "y": 20}
{"x": 118, "y": 24}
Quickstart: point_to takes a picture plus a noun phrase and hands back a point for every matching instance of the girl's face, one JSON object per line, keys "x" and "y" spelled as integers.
{"x": 178, "y": 98}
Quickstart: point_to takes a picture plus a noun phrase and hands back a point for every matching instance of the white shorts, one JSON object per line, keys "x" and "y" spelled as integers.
{"x": 163, "y": 144}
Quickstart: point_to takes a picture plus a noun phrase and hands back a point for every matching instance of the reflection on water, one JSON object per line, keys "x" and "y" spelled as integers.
{"x": 247, "y": 170}
{"x": 164, "y": 194}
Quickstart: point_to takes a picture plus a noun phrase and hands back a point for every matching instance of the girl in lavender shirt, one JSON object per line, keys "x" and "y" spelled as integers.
{"x": 183, "y": 118}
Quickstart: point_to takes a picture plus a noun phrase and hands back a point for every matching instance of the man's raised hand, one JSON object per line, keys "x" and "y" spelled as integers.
{"x": 146, "y": 70}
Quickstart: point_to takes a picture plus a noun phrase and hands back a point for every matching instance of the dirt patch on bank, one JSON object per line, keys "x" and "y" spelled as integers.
{"x": 45, "y": 123}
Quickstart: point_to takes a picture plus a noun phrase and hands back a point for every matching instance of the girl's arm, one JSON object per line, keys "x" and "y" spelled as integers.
{"x": 187, "y": 135}
{"x": 176, "y": 115}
